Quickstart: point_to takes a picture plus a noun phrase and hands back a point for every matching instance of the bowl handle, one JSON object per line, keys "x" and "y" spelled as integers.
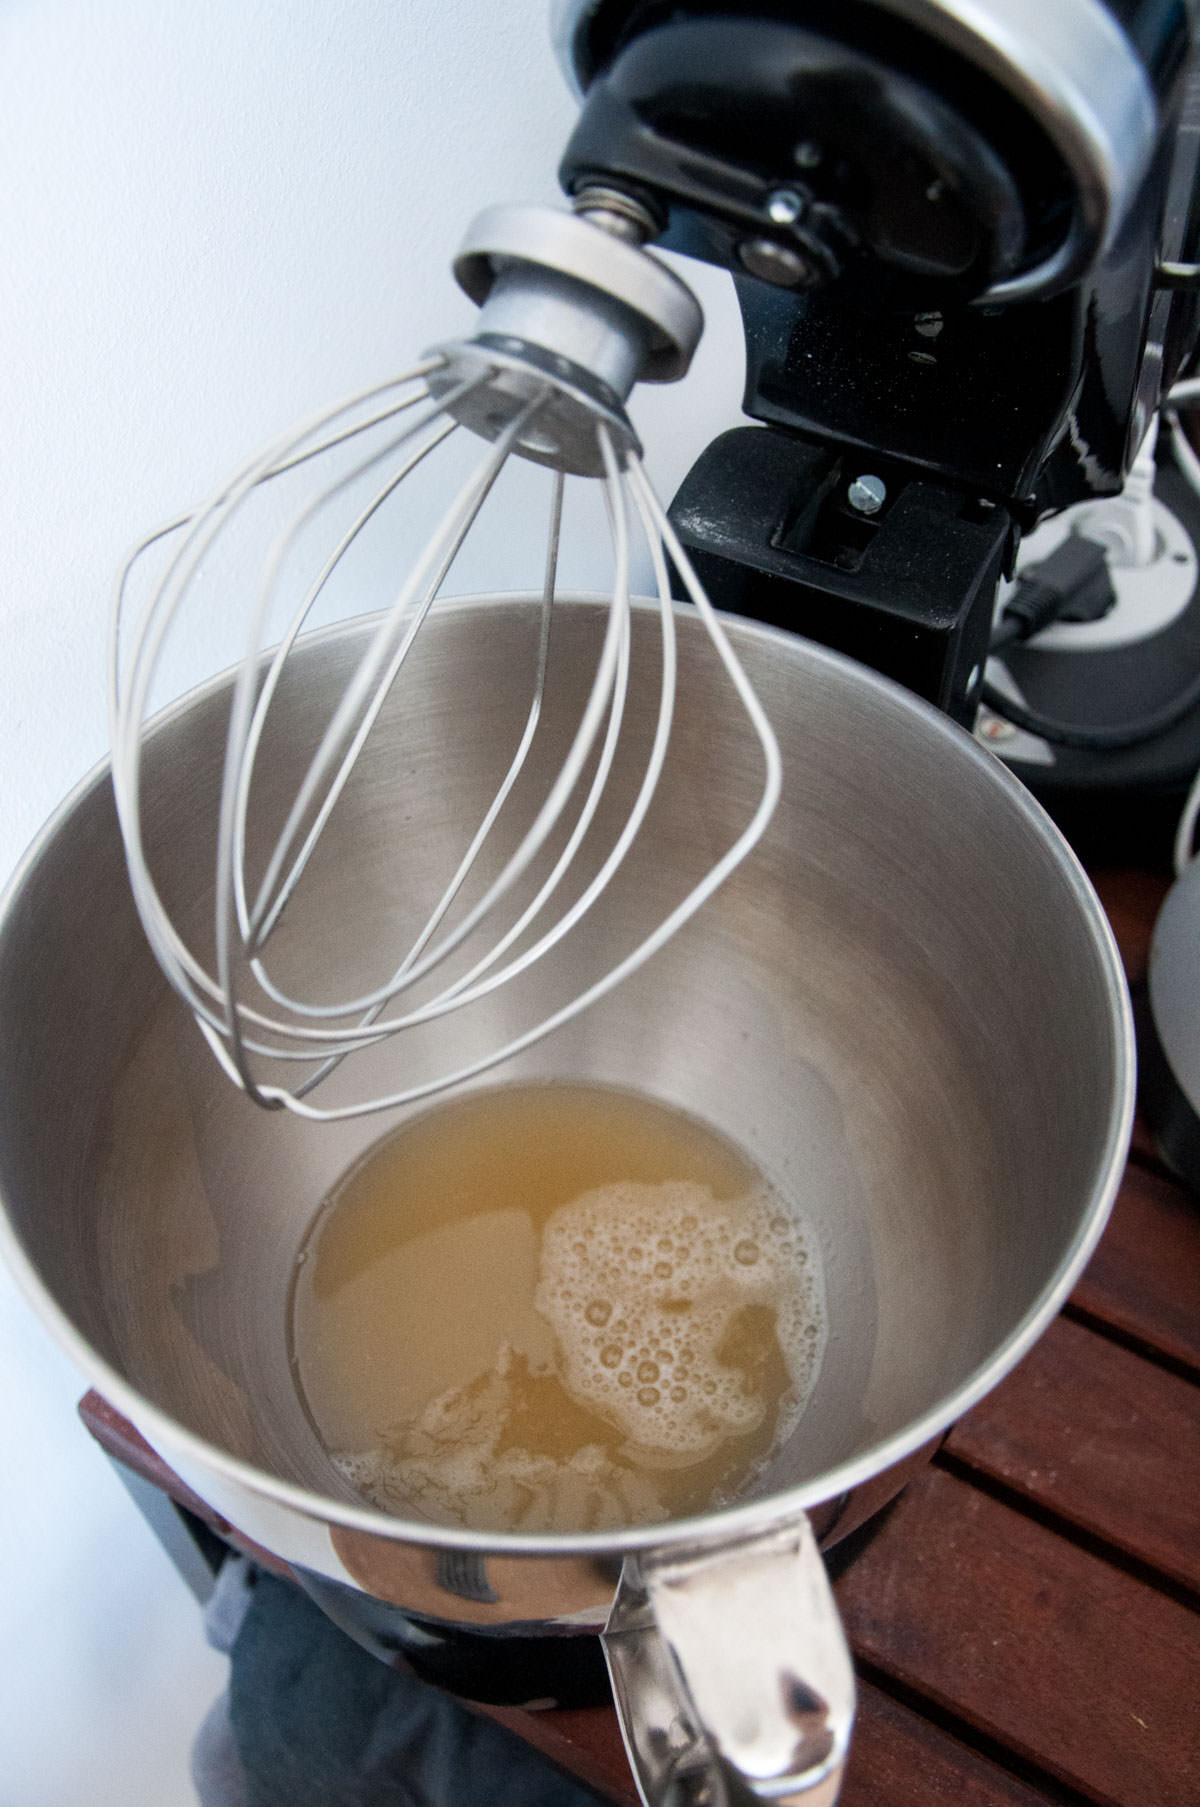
{"x": 730, "y": 1670}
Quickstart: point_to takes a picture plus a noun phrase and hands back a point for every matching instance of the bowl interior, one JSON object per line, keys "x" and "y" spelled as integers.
{"x": 904, "y": 1007}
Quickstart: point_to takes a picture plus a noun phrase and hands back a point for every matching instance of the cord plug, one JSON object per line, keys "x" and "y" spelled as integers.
{"x": 1072, "y": 584}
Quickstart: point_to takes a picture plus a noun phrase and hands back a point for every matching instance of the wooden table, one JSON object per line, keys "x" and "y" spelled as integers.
{"x": 1026, "y": 1619}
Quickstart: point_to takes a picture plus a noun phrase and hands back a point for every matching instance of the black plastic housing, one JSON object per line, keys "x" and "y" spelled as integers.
{"x": 766, "y": 519}
{"x": 888, "y": 186}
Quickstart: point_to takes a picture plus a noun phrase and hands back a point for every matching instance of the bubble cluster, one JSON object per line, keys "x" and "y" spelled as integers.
{"x": 645, "y": 1285}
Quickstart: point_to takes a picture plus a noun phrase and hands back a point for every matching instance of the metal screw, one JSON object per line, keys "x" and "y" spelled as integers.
{"x": 807, "y": 154}
{"x": 867, "y": 494}
{"x": 785, "y": 206}
{"x": 777, "y": 264}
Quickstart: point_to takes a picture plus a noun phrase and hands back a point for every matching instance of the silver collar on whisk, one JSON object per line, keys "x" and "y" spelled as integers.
{"x": 572, "y": 309}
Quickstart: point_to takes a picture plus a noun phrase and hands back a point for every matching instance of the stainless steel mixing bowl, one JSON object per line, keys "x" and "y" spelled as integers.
{"x": 906, "y": 1006}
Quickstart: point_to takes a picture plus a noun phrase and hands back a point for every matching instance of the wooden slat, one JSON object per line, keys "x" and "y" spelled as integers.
{"x": 584, "y": 1741}
{"x": 1144, "y": 1278}
{"x": 1101, "y": 1437}
{"x": 1063, "y": 1659}
{"x": 118, "y": 1439}
{"x": 1131, "y": 901}
{"x": 898, "y": 1759}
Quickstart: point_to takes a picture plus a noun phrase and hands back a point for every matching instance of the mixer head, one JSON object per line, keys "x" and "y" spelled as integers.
{"x": 573, "y": 313}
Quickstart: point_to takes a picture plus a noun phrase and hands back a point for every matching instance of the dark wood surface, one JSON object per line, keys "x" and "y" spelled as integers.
{"x": 1026, "y": 1619}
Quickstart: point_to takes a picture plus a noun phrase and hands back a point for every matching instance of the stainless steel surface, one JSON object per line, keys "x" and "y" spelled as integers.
{"x": 906, "y": 1006}
{"x": 772, "y": 1708}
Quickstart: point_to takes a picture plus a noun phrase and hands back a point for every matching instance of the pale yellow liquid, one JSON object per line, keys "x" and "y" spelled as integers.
{"x": 555, "y": 1308}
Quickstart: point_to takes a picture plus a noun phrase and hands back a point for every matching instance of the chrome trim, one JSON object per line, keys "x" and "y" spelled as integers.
{"x": 728, "y": 1660}
{"x": 1072, "y": 68}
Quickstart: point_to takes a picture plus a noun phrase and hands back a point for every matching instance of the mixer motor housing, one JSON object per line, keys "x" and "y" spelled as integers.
{"x": 962, "y": 243}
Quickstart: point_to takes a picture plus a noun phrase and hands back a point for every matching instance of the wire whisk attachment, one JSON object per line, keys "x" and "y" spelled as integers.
{"x": 573, "y": 313}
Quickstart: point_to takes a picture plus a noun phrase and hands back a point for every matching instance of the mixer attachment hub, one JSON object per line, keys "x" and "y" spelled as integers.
{"x": 574, "y": 311}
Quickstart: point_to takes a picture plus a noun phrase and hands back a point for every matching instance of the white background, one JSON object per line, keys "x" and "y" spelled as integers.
{"x": 214, "y": 218}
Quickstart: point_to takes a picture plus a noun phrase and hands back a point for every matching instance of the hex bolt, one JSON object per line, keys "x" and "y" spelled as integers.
{"x": 784, "y": 206}
{"x": 867, "y": 494}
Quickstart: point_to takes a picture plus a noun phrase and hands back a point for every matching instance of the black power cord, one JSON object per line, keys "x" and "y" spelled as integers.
{"x": 1073, "y": 584}
{"x": 1061, "y": 734}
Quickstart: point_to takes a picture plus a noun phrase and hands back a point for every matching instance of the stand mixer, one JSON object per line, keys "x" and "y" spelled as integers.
{"x": 948, "y": 228}
{"x": 957, "y": 236}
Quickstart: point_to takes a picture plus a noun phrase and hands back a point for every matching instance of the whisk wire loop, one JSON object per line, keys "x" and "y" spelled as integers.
{"x": 606, "y": 697}
{"x": 367, "y": 691}
{"x": 506, "y": 922}
{"x": 516, "y": 766}
{"x": 128, "y": 698}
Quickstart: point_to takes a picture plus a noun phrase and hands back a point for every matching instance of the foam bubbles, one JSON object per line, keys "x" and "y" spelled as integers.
{"x": 514, "y": 1362}
{"x": 676, "y": 1363}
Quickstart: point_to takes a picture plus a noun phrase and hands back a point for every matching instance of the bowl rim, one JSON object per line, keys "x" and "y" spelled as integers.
{"x": 172, "y": 1440}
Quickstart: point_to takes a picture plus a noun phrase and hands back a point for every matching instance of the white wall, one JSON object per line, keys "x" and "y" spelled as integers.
{"x": 213, "y": 218}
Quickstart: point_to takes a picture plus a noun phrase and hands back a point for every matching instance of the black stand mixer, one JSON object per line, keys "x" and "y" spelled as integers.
{"x": 961, "y": 241}
{"x": 961, "y": 233}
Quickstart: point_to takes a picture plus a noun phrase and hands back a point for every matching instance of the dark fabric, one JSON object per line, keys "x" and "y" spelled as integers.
{"x": 320, "y": 1723}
